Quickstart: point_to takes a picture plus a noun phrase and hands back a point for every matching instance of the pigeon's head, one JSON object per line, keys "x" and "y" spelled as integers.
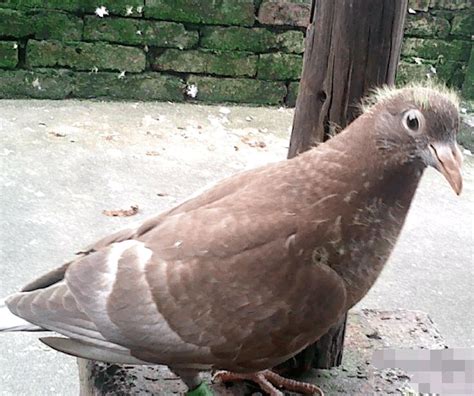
{"x": 420, "y": 124}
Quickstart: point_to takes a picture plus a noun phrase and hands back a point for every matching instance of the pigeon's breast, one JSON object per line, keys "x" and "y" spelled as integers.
{"x": 362, "y": 242}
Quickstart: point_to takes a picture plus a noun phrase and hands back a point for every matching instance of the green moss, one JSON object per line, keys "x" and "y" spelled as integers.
{"x": 425, "y": 25}
{"x": 224, "y": 12}
{"x": 131, "y": 8}
{"x": 14, "y": 24}
{"x": 468, "y": 86}
{"x": 85, "y": 56}
{"x": 463, "y": 24}
{"x": 456, "y": 50}
{"x": 135, "y": 31}
{"x": 41, "y": 84}
{"x": 411, "y": 72}
{"x": 419, "y": 5}
{"x": 279, "y": 66}
{"x": 451, "y": 72}
{"x": 209, "y": 62}
{"x": 255, "y": 40}
{"x": 291, "y": 41}
{"x": 57, "y": 25}
{"x": 67, "y": 5}
{"x": 114, "y": 7}
{"x": 145, "y": 86}
{"x": 238, "y": 90}
{"x": 293, "y": 89}
{"x": 8, "y": 54}
{"x": 238, "y": 38}
{"x": 451, "y": 4}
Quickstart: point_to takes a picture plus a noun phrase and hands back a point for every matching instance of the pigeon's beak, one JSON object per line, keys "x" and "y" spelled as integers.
{"x": 448, "y": 160}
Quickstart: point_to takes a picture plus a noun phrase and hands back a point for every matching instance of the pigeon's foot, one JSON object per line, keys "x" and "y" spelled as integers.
{"x": 268, "y": 381}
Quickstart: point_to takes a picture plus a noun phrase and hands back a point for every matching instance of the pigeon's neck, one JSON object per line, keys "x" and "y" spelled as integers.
{"x": 372, "y": 192}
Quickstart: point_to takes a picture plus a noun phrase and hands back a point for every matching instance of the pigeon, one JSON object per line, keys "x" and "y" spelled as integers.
{"x": 248, "y": 273}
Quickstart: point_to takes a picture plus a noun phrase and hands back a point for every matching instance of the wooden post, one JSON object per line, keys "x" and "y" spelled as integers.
{"x": 351, "y": 47}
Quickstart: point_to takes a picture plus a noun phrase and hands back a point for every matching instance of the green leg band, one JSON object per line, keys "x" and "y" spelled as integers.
{"x": 201, "y": 390}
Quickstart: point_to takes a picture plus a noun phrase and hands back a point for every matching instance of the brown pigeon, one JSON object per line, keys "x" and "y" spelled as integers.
{"x": 253, "y": 270}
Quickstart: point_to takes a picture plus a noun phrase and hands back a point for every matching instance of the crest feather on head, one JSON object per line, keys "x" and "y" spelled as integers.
{"x": 420, "y": 93}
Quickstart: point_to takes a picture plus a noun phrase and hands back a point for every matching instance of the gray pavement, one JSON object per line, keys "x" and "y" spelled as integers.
{"x": 63, "y": 163}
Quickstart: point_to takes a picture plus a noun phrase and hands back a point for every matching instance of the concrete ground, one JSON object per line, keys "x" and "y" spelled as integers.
{"x": 63, "y": 163}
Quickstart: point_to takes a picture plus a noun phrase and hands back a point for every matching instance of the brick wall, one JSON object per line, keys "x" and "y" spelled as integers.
{"x": 438, "y": 43}
{"x": 247, "y": 51}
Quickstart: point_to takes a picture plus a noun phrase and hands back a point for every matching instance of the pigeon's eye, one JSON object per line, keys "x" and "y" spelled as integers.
{"x": 412, "y": 120}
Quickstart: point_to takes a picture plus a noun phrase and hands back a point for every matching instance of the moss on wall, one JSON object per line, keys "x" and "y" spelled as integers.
{"x": 245, "y": 51}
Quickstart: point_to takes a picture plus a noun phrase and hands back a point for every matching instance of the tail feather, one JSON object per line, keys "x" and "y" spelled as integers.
{"x": 10, "y": 322}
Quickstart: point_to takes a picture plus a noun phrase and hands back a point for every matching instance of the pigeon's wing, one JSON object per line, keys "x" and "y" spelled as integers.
{"x": 241, "y": 284}
{"x": 207, "y": 196}
{"x": 226, "y": 283}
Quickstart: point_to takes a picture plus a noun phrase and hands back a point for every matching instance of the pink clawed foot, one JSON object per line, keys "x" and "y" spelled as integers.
{"x": 267, "y": 380}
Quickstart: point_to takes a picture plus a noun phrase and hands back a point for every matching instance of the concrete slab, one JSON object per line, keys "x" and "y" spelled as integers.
{"x": 63, "y": 163}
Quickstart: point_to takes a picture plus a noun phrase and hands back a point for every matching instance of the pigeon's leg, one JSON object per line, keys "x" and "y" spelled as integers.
{"x": 267, "y": 380}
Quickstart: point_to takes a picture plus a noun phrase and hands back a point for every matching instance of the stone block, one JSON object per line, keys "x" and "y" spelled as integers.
{"x": 468, "y": 86}
{"x": 145, "y": 86}
{"x": 463, "y": 24}
{"x": 40, "y": 84}
{"x": 136, "y": 32}
{"x": 293, "y": 89}
{"x": 255, "y": 40}
{"x": 209, "y": 62}
{"x": 451, "y": 4}
{"x": 446, "y": 14}
{"x": 291, "y": 41}
{"x": 466, "y": 131}
{"x": 279, "y": 66}
{"x": 67, "y": 5}
{"x": 85, "y": 56}
{"x": 130, "y": 8}
{"x": 456, "y": 50}
{"x": 238, "y": 90}
{"x": 220, "y": 12}
{"x": 237, "y": 38}
{"x": 419, "y": 5}
{"x": 451, "y": 73}
{"x": 56, "y": 25}
{"x": 282, "y": 12}
{"x": 412, "y": 72}
{"x": 426, "y": 25}
{"x": 8, "y": 54}
{"x": 114, "y": 7}
{"x": 447, "y": 72}
{"x": 14, "y": 24}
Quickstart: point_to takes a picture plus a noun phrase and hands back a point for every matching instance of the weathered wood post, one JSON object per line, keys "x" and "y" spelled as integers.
{"x": 351, "y": 47}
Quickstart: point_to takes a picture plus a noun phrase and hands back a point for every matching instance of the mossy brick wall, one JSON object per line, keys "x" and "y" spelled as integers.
{"x": 247, "y": 51}
{"x": 438, "y": 43}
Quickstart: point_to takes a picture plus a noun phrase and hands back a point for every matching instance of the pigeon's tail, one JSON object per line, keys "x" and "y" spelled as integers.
{"x": 11, "y": 322}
